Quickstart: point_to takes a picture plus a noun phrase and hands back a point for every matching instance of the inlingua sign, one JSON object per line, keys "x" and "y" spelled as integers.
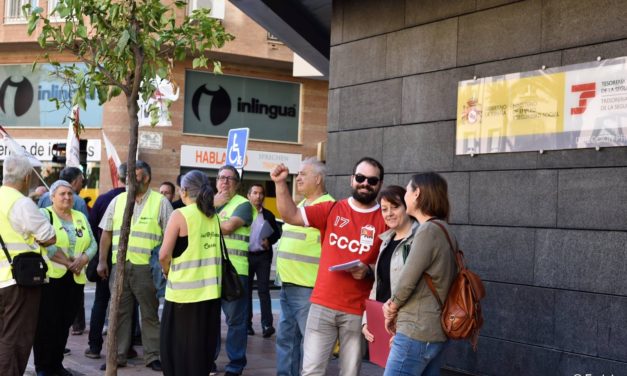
{"x": 216, "y": 103}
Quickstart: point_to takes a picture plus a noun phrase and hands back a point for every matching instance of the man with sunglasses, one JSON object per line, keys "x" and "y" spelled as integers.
{"x": 351, "y": 228}
{"x": 236, "y": 215}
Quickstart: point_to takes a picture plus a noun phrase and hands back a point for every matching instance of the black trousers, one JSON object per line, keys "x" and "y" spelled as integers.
{"x": 189, "y": 332}
{"x": 259, "y": 264}
{"x": 19, "y": 307}
{"x": 98, "y": 315}
{"x": 60, "y": 300}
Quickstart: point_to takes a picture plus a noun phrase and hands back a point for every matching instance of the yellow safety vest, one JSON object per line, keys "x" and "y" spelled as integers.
{"x": 146, "y": 234}
{"x": 13, "y": 240}
{"x": 196, "y": 274}
{"x": 298, "y": 253}
{"x": 56, "y": 270}
{"x": 237, "y": 242}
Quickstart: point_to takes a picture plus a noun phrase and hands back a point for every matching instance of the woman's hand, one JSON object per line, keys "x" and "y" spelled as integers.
{"x": 78, "y": 264}
{"x": 390, "y": 309}
{"x": 369, "y": 336}
{"x": 390, "y": 326}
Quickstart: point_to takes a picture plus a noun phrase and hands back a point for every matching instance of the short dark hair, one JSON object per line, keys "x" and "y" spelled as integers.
{"x": 257, "y": 185}
{"x": 141, "y": 165}
{"x": 433, "y": 198}
{"x": 372, "y": 162}
{"x": 169, "y": 184}
{"x": 69, "y": 174}
{"x": 394, "y": 194}
{"x": 230, "y": 168}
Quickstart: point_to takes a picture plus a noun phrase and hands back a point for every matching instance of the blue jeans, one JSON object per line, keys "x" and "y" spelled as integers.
{"x": 413, "y": 357}
{"x": 157, "y": 276}
{"x": 292, "y": 322}
{"x": 236, "y": 313}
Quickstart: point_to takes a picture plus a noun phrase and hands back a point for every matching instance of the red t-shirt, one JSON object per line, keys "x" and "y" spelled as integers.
{"x": 349, "y": 233}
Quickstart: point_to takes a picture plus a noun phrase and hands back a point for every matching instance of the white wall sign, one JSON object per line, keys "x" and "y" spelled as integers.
{"x": 150, "y": 140}
{"x": 262, "y": 161}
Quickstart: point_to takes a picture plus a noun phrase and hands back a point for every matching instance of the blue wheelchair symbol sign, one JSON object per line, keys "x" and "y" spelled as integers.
{"x": 236, "y": 147}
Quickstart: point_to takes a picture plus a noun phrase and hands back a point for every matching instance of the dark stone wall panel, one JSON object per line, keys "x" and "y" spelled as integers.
{"x": 370, "y": 105}
{"x": 508, "y": 31}
{"x": 422, "y": 11}
{"x": 514, "y": 198}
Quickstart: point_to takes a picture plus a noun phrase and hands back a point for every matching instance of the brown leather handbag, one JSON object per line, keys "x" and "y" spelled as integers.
{"x": 461, "y": 312}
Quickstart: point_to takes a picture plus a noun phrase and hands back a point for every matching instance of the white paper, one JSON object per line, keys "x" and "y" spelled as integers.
{"x": 344, "y": 266}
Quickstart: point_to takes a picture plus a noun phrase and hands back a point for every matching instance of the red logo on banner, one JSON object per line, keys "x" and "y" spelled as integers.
{"x": 588, "y": 91}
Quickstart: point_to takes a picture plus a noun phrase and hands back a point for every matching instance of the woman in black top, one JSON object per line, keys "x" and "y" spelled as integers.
{"x": 395, "y": 247}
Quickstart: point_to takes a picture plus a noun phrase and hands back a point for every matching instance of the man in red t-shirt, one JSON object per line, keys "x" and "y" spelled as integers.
{"x": 350, "y": 230}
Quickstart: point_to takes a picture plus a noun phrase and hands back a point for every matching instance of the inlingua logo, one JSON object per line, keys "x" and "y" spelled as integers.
{"x": 220, "y": 107}
{"x": 23, "y": 95}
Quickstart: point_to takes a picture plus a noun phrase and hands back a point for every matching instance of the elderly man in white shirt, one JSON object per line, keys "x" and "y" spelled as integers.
{"x": 23, "y": 229}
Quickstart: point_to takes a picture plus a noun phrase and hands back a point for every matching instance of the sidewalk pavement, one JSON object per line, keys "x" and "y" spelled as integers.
{"x": 260, "y": 354}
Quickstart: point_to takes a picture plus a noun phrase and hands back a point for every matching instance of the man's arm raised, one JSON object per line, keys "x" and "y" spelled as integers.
{"x": 286, "y": 206}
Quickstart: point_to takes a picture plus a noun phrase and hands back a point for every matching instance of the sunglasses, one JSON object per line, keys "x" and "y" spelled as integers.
{"x": 372, "y": 180}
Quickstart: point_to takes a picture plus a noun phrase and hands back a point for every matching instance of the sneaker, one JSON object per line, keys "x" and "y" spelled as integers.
{"x": 155, "y": 365}
{"x": 268, "y": 332}
{"x": 67, "y": 351}
{"x": 77, "y": 332}
{"x": 92, "y": 354}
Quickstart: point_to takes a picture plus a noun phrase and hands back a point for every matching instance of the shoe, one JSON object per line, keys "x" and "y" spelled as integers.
{"x": 214, "y": 370}
{"x": 67, "y": 351}
{"x": 92, "y": 354}
{"x": 250, "y": 331}
{"x": 155, "y": 365}
{"x": 77, "y": 332}
{"x": 104, "y": 366}
{"x": 268, "y": 332}
{"x": 131, "y": 353}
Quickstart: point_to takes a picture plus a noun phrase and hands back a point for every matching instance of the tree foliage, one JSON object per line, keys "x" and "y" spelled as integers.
{"x": 123, "y": 45}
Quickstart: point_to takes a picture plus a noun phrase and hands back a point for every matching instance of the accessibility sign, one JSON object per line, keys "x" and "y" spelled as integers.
{"x": 236, "y": 147}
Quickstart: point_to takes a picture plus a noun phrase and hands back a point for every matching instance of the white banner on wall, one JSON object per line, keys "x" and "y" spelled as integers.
{"x": 42, "y": 148}
{"x": 214, "y": 158}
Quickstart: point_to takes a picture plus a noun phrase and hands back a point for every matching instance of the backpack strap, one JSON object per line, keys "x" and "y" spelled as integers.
{"x": 456, "y": 256}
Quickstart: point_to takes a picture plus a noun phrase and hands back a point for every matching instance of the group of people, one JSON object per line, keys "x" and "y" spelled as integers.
{"x": 389, "y": 230}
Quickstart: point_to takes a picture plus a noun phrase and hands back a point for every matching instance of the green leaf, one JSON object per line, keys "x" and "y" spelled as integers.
{"x": 122, "y": 42}
{"x": 81, "y": 31}
{"x": 68, "y": 29}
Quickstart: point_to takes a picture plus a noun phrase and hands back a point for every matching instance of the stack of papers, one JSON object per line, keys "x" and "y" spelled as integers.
{"x": 344, "y": 266}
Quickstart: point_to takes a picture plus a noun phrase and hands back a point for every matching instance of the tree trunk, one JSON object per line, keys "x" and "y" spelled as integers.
{"x": 131, "y": 188}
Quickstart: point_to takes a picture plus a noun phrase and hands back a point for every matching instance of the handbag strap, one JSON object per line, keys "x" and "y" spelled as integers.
{"x": 225, "y": 253}
{"x": 6, "y": 252}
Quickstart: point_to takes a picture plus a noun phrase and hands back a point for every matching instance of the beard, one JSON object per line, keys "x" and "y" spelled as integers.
{"x": 366, "y": 197}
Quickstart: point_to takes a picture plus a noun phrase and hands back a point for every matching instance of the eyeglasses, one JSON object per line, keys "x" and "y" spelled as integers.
{"x": 227, "y": 178}
{"x": 372, "y": 180}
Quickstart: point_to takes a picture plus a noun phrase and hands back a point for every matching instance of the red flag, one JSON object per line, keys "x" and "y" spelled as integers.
{"x": 113, "y": 160}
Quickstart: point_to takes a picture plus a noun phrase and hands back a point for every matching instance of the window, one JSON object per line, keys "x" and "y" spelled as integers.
{"x": 13, "y": 10}
{"x": 51, "y": 5}
{"x": 216, "y": 6}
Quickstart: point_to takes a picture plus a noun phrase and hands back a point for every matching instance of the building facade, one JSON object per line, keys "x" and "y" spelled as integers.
{"x": 258, "y": 75}
{"x": 547, "y": 231}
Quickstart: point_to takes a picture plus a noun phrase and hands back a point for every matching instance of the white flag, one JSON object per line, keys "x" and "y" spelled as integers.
{"x": 17, "y": 149}
{"x": 113, "y": 161}
{"x": 72, "y": 146}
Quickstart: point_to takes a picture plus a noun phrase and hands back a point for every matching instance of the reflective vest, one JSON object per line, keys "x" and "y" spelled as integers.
{"x": 299, "y": 251}
{"x": 13, "y": 240}
{"x": 237, "y": 242}
{"x": 196, "y": 274}
{"x": 146, "y": 234}
{"x": 56, "y": 270}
